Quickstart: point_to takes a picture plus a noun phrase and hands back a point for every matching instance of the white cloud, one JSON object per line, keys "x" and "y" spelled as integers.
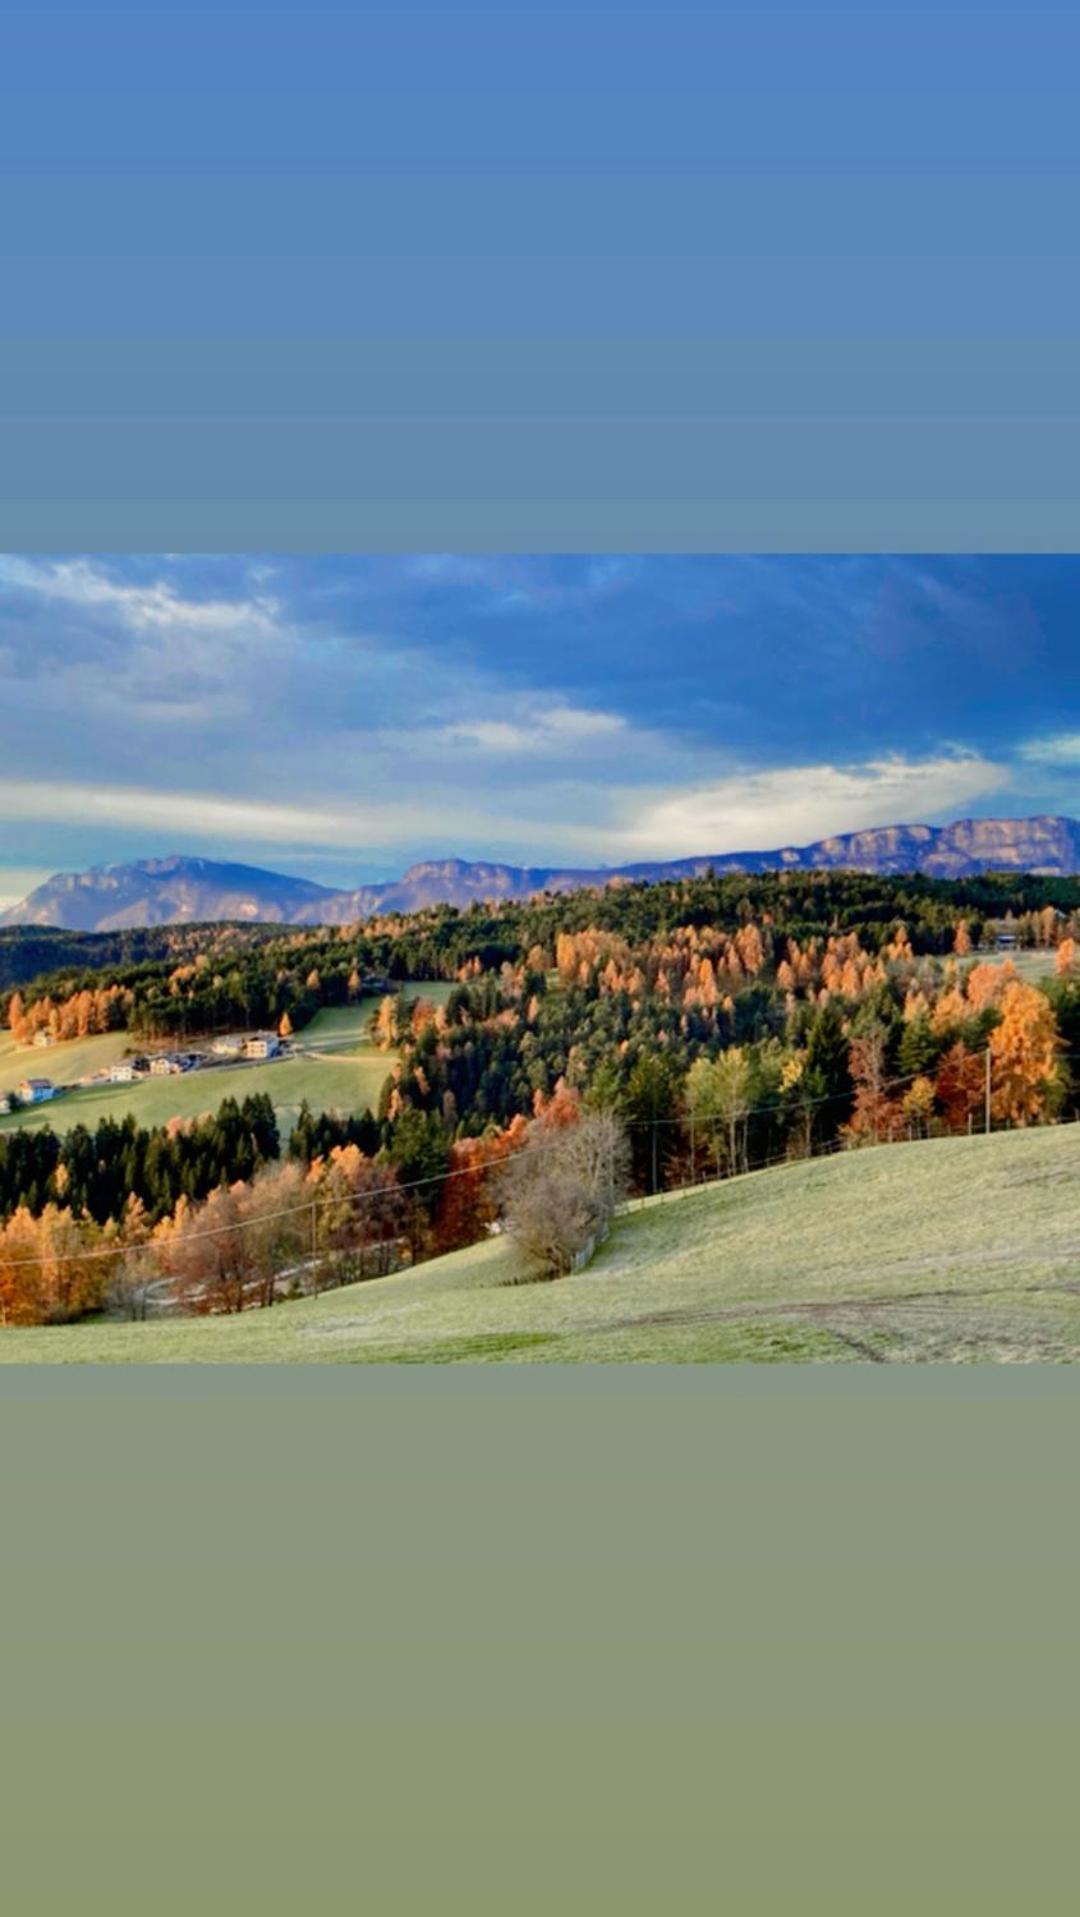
{"x": 61, "y": 803}
{"x": 760, "y": 811}
{"x": 544, "y": 730}
{"x": 1061, "y": 748}
{"x": 748, "y": 811}
{"x": 441, "y": 818}
{"x": 153, "y": 607}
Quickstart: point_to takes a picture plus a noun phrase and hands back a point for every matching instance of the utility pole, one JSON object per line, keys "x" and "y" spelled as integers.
{"x": 988, "y": 1063}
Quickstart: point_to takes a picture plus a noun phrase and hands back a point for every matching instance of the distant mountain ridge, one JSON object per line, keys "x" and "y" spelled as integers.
{"x": 178, "y": 890}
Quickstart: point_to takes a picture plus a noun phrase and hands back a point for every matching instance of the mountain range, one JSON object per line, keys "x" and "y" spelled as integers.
{"x": 179, "y": 890}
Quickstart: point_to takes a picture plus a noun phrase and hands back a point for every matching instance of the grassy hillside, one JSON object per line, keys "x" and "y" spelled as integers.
{"x": 77, "y": 1059}
{"x": 959, "y": 1249}
{"x": 336, "y": 1068}
{"x": 327, "y": 1080}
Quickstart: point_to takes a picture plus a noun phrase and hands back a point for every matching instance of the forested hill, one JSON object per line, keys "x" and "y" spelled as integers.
{"x": 28, "y": 952}
{"x": 181, "y": 890}
{"x": 172, "y": 981}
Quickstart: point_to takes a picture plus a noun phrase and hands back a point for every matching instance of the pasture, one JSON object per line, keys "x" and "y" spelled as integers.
{"x": 335, "y": 1066}
{"x": 340, "y": 1028}
{"x": 959, "y": 1250}
{"x": 78, "y": 1058}
{"x": 329, "y": 1082}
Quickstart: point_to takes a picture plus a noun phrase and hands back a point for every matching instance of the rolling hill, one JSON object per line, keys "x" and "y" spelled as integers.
{"x": 954, "y": 1249}
{"x": 177, "y": 889}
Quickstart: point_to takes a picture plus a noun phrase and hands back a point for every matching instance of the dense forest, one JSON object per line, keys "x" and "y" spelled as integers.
{"x": 104, "y": 1172}
{"x": 28, "y": 952}
{"x": 183, "y": 981}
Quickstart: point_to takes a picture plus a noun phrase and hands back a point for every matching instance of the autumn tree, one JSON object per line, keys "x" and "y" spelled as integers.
{"x": 1024, "y": 1054}
{"x": 917, "y": 1107}
{"x": 359, "y": 1209}
{"x": 878, "y": 1115}
{"x": 960, "y": 1086}
{"x": 389, "y": 1021}
{"x": 54, "y": 1268}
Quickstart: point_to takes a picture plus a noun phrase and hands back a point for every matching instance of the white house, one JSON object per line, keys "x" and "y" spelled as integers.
{"x": 34, "y": 1091}
{"x": 5, "y": 1103}
{"x": 44, "y": 1038}
{"x": 263, "y": 1045}
{"x": 123, "y": 1072}
{"x": 165, "y": 1065}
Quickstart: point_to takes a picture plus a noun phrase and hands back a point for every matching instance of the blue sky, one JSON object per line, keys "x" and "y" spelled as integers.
{"x": 340, "y": 717}
{"x": 593, "y": 43}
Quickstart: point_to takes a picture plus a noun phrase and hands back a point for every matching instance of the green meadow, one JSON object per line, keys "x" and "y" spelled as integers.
{"x": 958, "y": 1250}
{"x": 335, "y": 1067}
{"x": 62, "y": 1063}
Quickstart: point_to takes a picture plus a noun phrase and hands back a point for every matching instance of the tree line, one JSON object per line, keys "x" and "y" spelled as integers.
{"x": 177, "y": 982}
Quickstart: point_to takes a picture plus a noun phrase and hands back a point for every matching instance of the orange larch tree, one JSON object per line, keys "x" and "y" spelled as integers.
{"x": 1024, "y": 1053}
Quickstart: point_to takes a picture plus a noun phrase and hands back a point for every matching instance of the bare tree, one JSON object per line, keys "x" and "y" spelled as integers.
{"x": 562, "y": 1191}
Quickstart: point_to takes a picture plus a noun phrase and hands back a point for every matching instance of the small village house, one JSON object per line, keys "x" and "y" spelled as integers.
{"x": 262, "y": 1045}
{"x": 127, "y": 1070}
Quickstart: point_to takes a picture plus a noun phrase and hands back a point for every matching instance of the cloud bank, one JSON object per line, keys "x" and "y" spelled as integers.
{"x": 354, "y": 714}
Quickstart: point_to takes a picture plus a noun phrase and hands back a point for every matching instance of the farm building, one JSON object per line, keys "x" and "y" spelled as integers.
{"x": 262, "y": 1045}
{"x": 127, "y": 1070}
{"x": 35, "y": 1091}
{"x": 230, "y": 1045}
{"x": 44, "y": 1038}
{"x": 5, "y": 1104}
{"x": 165, "y": 1065}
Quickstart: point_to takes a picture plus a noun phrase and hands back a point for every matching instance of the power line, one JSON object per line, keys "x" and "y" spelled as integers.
{"x": 388, "y": 1193}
